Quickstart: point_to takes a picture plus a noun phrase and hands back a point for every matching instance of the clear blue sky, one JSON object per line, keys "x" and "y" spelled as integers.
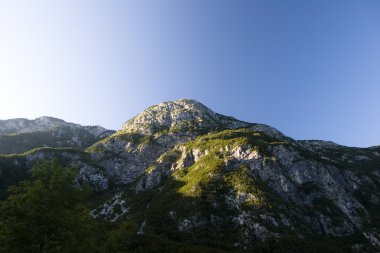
{"x": 309, "y": 68}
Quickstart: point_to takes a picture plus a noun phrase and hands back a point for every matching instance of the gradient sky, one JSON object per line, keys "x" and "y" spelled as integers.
{"x": 309, "y": 68}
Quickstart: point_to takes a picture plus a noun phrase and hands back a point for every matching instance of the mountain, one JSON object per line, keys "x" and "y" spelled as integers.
{"x": 21, "y": 135}
{"x": 188, "y": 174}
{"x": 143, "y": 139}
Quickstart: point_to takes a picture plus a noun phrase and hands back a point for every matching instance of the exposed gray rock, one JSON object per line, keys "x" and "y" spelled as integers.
{"x": 112, "y": 209}
{"x": 13, "y": 126}
{"x": 185, "y": 114}
{"x": 157, "y": 130}
{"x": 92, "y": 175}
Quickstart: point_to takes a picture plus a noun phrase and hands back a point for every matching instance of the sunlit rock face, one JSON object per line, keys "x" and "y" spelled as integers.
{"x": 185, "y": 114}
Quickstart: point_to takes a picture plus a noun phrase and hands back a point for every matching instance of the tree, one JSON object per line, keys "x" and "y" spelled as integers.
{"x": 46, "y": 214}
{"x": 121, "y": 238}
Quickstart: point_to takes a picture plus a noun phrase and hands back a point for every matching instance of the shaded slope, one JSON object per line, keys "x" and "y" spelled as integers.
{"x": 241, "y": 187}
{"x": 21, "y": 135}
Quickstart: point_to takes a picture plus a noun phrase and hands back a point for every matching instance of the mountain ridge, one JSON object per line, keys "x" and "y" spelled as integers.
{"x": 20, "y": 135}
{"x": 24, "y": 125}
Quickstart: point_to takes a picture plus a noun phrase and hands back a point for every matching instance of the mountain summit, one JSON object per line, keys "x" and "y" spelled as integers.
{"x": 22, "y": 125}
{"x": 183, "y": 172}
{"x": 184, "y": 114}
{"x": 187, "y": 117}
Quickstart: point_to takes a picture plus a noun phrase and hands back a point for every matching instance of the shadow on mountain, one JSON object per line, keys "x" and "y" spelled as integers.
{"x": 206, "y": 220}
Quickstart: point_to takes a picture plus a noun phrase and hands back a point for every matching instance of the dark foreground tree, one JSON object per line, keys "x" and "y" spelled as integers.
{"x": 46, "y": 214}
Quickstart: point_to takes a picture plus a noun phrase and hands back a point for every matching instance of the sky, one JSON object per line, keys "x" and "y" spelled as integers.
{"x": 308, "y": 68}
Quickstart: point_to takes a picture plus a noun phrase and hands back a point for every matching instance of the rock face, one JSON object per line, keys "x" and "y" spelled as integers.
{"x": 21, "y": 125}
{"x": 307, "y": 195}
{"x": 186, "y": 172}
{"x": 181, "y": 115}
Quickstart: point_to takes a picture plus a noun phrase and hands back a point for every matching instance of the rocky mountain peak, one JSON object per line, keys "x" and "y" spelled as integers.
{"x": 21, "y": 125}
{"x": 180, "y": 114}
{"x": 21, "y": 135}
{"x": 48, "y": 120}
{"x": 182, "y": 165}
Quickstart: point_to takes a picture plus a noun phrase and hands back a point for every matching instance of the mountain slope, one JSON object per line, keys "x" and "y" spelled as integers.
{"x": 240, "y": 186}
{"x": 23, "y": 142}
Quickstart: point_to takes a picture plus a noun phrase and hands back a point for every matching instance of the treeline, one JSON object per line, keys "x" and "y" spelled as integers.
{"x": 50, "y": 214}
